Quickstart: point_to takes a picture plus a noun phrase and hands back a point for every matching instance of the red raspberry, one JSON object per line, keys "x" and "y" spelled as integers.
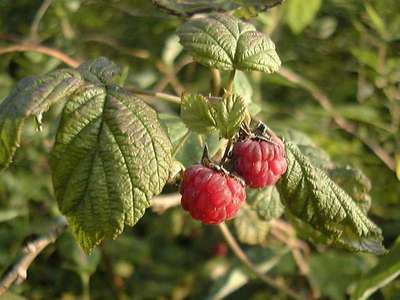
{"x": 211, "y": 196}
{"x": 259, "y": 163}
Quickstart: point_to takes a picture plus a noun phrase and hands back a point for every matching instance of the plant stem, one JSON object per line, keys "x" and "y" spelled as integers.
{"x": 18, "y": 272}
{"x": 226, "y": 152}
{"x": 38, "y": 17}
{"x": 229, "y": 84}
{"x": 163, "y": 96}
{"x": 215, "y": 82}
{"x": 239, "y": 253}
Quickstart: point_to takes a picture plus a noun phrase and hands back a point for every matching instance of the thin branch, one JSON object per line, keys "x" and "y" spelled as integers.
{"x": 215, "y": 82}
{"x": 163, "y": 96}
{"x": 229, "y": 84}
{"x": 57, "y": 54}
{"x": 114, "y": 43}
{"x": 161, "y": 203}
{"x": 38, "y": 17}
{"x": 239, "y": 253}
{"x": 18, "y": 272}
{"x": 344, "y": 124}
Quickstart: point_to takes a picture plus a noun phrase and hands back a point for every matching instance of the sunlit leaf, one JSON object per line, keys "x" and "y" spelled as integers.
{"x": 224, "y": 42}
{"x": 110, "y": 157}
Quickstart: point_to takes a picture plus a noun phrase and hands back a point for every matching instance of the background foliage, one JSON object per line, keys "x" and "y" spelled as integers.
{"x": 349, "y": 49}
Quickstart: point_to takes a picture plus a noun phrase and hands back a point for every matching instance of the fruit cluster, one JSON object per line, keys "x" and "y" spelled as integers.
{"x": 212, "y": 194}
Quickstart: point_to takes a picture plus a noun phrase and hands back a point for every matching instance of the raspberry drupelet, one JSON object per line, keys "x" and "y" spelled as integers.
{"x": 211, "y": 196}
{"x": 260, "y": 163}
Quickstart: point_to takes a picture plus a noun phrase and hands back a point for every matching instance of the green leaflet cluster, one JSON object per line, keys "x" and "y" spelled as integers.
{"x": 227, "y": 43}
{"x": 205, "y": 115}
{"x": 110, "y": 155}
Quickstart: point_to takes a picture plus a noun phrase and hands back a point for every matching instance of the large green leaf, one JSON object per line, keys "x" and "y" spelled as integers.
{"x": 318, "y": 157}
{"x": 225, "y": 42}
{"x": 190, "y": 7}
{"x": 100, "y": 71}
{"x": 110, "y": 157}
{"x": 310, "y": 195}
{"x": 387, "y": 269}
{"x": 266, "y": 202}
{"x": 31, "y": 97}
{"x": 355, "y": 183}
{"x": 250, "y": 229}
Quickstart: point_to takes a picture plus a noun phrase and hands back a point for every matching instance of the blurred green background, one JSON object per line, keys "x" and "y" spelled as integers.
{"x": 349, "y": 50}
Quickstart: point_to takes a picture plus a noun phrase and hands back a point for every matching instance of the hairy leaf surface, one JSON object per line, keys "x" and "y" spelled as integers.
{"x": 313, "y": 197}
{"x": 32, "y": 96}
{"x": 229, "y": 113}
{"x": 225, "y": 42}
{"x": 250, "y": 229}
{"x": 196, "y": 113}
{"x": 110, "y": 157}
{"x": 266, "y": 202}
{"x": 355, "y": 183}
{"x": 100, "y": 71}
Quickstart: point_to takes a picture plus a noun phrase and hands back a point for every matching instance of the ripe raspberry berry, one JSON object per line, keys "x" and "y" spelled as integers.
{"x": 211, "y": 196}
{"x": 260, "y": 163}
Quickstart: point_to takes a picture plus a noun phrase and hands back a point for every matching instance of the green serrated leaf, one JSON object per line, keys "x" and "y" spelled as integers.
{"x": 266, "y": 202}
{"x": 99, "y": 71}
{"x": 318, "y": 157}
{"x": 110, "y": 157}
{"x": 249, "y": 228}
{"x": 309, "y": 194}
{"x": 387, "y": 269}
{"x": 301, "y": 13}
{"x": 228, "y": 114}
{"x": 224, "y": 42}
{"x": 355, "y": 183}
{"x": 196, "y": 113}
{"x": 31, "y": 97}
{"x": 191, "y": 7}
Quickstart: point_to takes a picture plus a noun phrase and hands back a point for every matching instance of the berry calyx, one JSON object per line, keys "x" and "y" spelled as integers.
{"x": 211, "y": 196}
{"x": 259, "y": 162}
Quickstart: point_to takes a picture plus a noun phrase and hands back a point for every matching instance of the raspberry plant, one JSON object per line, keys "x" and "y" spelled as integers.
{"x": 113, "y": 152}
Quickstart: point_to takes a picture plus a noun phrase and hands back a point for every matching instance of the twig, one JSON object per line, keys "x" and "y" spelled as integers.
{"x": 229, "y": 84}
{"x": 246, "y": 261}
{"x": 18, "y": 272}
{"x": 344, "y": 124}
{"x": 169, "y": 77}
{"x": 163, "y": 96}
{"x": 38, "y": 17}
{"x": 215, "y": 82}
{"x": 41, "y": 49}
{"x": 161, "y": 203}
{"x": 114, "y": 43}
